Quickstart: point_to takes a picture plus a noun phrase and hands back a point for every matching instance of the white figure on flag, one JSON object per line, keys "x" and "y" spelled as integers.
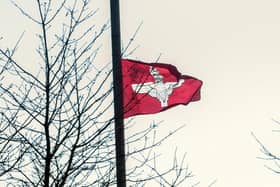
{"x": 158, "y": 89}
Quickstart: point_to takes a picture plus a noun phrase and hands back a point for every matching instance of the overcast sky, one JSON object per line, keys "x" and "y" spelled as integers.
{"x": 233, "y": 46}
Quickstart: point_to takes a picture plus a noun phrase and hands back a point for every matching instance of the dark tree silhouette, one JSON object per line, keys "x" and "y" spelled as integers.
{"x": 56, "y": 122}
{"x": 268, "y": 154}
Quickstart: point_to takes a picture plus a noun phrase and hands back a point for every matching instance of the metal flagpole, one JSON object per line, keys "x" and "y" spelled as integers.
{"x": 118, "y": 95}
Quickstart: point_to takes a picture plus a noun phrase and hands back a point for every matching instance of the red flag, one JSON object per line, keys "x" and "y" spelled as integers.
{"x": 150, "y": 88}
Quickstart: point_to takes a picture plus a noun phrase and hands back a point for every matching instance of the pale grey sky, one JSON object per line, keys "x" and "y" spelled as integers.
{"x": 234, "y": 47}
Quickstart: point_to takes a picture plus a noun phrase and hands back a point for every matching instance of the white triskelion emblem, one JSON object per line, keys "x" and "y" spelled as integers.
{"x": 158, "y": 89}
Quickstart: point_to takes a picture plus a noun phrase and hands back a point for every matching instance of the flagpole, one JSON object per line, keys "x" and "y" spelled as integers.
{"x": 118, "y": 95}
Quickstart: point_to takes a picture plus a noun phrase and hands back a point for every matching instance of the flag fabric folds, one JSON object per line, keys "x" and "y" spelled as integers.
{"x": 150, "y": 88}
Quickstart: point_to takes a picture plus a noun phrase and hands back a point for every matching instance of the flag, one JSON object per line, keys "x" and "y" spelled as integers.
{"x": 150, "y": 88}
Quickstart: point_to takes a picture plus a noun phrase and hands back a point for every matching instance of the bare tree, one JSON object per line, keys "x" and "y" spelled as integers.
{"x": 271, "y": 156}
{"x": 56, "y": 123}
